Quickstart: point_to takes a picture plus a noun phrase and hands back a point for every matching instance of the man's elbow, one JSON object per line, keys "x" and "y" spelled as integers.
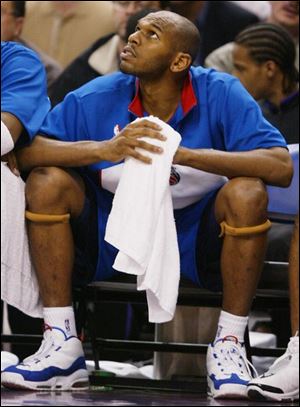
{"x": 286, "y": 173}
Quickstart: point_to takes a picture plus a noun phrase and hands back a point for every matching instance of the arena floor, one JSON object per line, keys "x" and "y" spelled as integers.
{"x": 99, "y": 397}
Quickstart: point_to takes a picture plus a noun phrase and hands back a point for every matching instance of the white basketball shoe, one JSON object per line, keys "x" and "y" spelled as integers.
{"x": 281, "y": 381}
{"x": 59, "y": 364}
{"x": 228, "y": 370}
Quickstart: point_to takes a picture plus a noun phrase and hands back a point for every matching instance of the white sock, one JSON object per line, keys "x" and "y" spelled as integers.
{"x": 231, "y": 325}
{"x": 61, "y": 317}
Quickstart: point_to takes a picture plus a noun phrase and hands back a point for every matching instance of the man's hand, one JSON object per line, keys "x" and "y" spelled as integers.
{"x": 124, "y": 144}
{"x": 12, "y": 163}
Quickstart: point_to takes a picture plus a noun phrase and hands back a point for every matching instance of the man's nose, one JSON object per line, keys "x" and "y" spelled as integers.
{"x": 134, "y": 38}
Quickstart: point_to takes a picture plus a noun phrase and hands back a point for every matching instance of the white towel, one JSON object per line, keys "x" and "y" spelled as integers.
{"x": 192, "y": 184}
{"x": 19, "y": 285}
{"x": 141, "y": 226}
{"x": 7, "y": 143}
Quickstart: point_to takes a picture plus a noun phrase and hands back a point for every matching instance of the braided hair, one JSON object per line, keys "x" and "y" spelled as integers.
{"x": 267, "y": 42}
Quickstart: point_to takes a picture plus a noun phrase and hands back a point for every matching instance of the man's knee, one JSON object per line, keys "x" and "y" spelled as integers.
{"x": 47, "y": 187}
{"x": 242, "y": 200}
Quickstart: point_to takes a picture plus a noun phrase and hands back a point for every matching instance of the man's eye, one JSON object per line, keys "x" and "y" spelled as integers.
{"x": 153, "y": 35}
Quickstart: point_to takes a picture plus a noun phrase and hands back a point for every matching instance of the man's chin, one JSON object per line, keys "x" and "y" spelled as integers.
{"x": 126, "y": 68}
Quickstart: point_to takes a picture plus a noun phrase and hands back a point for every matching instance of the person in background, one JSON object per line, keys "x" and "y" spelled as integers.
{"x": 261, "y": 8}
{"x": 264, "y": 59}
{"x": 218, "y": 22}
{"x": 63, "y": 29}
{"x": 102, "y": 57}
{"x": 13, "y": 16}
{"x": 283, "y": 13}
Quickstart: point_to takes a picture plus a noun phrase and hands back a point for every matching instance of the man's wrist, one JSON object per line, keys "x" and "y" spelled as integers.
{"x": 102, "y": 150}
{"x": 183, "y": 156}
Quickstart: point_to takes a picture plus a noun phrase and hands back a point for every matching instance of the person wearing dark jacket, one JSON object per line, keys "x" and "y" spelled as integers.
{"x": 218, "y": 22}
{"x": 13, "y": 15}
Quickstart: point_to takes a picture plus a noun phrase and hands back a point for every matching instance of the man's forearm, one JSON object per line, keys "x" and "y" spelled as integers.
{"x": 48, "y": 152}
{"x": 45, "y": 152}
{"x": 273, "y": 166}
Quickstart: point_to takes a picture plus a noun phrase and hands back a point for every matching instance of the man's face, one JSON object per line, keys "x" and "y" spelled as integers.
{"x": 11, "y": 25}
{"x": 251, "y": 74}
{"x": 150, "y": 49}
{"x": 122, "y": 11}
{"x": 285, "y": 13}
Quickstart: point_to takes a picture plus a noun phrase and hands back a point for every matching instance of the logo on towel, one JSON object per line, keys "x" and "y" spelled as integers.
{"x": 174, "y": 177}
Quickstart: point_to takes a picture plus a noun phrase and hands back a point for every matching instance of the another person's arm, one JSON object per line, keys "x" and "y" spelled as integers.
{"x": 24, "y": 101}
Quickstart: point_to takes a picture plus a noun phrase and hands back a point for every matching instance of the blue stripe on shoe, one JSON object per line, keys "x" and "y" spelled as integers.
{"x": 233, "y": 379}
{"x": 49, "y": 372}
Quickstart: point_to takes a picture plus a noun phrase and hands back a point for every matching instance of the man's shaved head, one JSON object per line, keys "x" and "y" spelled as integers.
{"x": 163, "y": 43}
{"x": 185, "y": 35}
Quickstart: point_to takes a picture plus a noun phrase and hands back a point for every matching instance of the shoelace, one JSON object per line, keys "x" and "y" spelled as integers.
{"x": 230, "y": 361}
{"x": 46, "y": 346}
{"x": 49, "y": 344}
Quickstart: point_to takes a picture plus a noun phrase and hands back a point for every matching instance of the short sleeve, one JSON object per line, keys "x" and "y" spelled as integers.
{"x": 66, "y": 121}
{"x": 23, "y": 86}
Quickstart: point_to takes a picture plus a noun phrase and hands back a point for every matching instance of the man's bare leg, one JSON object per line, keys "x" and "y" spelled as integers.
{"x": 59, "y": 363}
{"x": 53, "y": 191}
{"x": 242, "y": 202}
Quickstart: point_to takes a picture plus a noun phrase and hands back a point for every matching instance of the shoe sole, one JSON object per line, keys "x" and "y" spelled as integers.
{"x": 76, "y": 381}
{"x": 228, "y": 391}
{"x": 258, "y": 394}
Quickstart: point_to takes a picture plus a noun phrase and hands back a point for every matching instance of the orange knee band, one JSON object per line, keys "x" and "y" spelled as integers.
{"x": 39, "y": 217}
{"x": 248, "y": 230}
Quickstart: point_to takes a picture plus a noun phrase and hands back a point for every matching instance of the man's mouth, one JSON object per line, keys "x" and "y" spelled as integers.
{"x": 127, "y": 52}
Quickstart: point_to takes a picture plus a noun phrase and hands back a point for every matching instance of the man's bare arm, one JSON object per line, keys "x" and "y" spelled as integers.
{"x": 273, "y": 166}
{"x": 48, "y": 152}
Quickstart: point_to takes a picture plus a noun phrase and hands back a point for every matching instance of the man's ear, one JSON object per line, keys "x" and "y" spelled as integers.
{"x": 270, "y": 68}
{"x": 181, "y": 62}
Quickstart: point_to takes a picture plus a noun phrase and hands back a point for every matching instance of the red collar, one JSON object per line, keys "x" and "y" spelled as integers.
{"x": 188, "y": 98}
